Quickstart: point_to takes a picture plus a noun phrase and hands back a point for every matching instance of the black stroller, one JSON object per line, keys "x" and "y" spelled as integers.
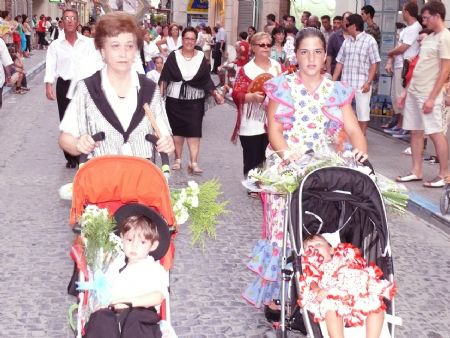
{"x": 336, "y": 200}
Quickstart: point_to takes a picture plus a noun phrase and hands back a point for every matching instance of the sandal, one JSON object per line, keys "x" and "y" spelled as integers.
{"x": 19, "y": 92}
{"x": 432, "y": 159}
{"x": 408, "y": 178}
{"x": 252, "y": 194}
{"x": 194, "y": 169}
{"x": 177, "y": 164}
{"x": 437, "y": 182}
{"x": 25, "y": 89}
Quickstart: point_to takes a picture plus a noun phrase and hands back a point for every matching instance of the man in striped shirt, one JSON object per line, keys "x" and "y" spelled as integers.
{"x": 358, "y": 61}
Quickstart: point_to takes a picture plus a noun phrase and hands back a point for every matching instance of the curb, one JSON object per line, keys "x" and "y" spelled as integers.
{"x": 427, "y": 207}
{"x": 419, "y": 203}
{"x": 32, "y": 72}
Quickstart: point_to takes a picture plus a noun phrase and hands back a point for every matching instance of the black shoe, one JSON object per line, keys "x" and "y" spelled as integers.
{"x": 71, "y": 164}
{"x": 271, "y": 314}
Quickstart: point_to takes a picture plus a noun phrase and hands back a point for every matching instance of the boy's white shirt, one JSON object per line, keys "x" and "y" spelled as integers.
{"x": 137, "y": 279}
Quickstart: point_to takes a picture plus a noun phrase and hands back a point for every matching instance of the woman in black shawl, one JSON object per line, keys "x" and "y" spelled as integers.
{"x": 185, "y": 82}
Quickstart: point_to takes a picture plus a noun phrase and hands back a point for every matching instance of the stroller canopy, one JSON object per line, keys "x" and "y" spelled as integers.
{"x": 122, "y": 179}
{"x": 345, "y": 200}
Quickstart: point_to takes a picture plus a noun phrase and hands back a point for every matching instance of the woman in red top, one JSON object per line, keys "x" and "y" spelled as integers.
{"x": 40, "y": 30}
{"x": 242, "y": 50}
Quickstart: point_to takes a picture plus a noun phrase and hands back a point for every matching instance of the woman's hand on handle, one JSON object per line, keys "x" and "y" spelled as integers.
{"x": 86, "y": 144}
{"x": 165, "y": 145}
{"x": 360, "y": 155}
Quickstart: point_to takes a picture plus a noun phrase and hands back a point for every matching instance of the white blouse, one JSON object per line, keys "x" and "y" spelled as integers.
{"x": 171, "y": 45}
{"x": 189, "y": 69}
{"x": 251, "y": 127}
{"x": 83, "y": 117}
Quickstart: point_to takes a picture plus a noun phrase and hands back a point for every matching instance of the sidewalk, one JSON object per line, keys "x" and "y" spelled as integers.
{"x": 386, "y": 155}
{"x": 33, "y": 65}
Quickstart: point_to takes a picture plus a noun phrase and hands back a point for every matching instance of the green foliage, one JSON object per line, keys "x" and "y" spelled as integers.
{"x": 97, "y": 226}
{"x": 204, "y": 217}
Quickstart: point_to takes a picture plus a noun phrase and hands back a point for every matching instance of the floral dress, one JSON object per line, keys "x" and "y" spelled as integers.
{"x": 354, "y": 290}
{"x": 310, "y": 121}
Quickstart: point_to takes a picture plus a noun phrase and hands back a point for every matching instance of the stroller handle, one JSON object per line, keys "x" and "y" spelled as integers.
{"x": 100, "y": 136}
{"x": 369, "y": 165}
{"x": 164, "y": 156}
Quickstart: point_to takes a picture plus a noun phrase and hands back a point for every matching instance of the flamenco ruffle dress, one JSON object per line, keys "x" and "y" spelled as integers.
{"x": 354, "y": 290}
{"x": 312, "y": 121}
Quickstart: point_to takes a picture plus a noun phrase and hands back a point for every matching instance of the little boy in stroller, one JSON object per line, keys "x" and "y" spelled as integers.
{"x": 135, "y": 191}
{"x": 137, "y": 282}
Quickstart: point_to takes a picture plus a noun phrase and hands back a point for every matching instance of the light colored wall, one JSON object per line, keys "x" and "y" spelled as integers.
{"x": 180, "y": 12}
{"x": 268, "y": 7}
{"x": 47, "y": 8}
{"x": 345, "y": 5}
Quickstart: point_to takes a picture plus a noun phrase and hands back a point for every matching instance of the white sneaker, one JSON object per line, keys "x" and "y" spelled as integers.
{"x": 407, "y": 151}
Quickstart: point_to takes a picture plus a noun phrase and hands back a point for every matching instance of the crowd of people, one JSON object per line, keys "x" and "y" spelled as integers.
{"x": 296, "y": 89}
{"x": 319, "y": 81}
{"x": 15, "y": 44}
{"x": 353, "y": 56}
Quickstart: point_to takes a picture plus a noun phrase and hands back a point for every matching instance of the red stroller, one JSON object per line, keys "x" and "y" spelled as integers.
{"x": 111, "y": 182}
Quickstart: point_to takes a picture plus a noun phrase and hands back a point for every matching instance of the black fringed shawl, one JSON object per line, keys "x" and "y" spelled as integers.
{"x": 171, "y": 73}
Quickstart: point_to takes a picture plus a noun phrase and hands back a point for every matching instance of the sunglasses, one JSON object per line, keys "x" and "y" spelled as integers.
{"x": 263, "y": 45}
{"x": 69, "y": 18}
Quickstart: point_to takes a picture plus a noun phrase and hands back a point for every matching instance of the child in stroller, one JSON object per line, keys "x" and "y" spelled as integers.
{"x": 137, "y": 283}
{"x": 337, "y": 286}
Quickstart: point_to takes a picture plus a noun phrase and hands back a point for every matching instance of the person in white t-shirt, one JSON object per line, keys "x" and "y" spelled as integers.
{"x": 154, "y": 74}
{"x": 407, "y": 48}
{"x": 150, "y": 50}
{"x": 423, "y": 103}
{"x": 5, "y": 67}
{"x": 173, "y": 41}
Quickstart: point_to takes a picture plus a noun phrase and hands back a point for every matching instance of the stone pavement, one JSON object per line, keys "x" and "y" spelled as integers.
{"x": 205, "y": 284}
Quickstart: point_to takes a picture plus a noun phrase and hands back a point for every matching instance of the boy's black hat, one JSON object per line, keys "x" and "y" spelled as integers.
{"x": 136, "y": 209}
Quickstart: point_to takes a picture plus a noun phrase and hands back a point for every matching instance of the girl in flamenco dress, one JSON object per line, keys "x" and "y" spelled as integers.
{"x": 337, "y": 286}
{"x": 306, "y": 111}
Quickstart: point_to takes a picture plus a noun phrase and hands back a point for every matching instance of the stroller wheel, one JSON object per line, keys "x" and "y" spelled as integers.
{"x": 444, "y": 202}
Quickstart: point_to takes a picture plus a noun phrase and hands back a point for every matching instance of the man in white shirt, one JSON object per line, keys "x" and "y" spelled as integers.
{"x": 424, "y": 98}
{"x": 221, "y": 39}
{"x": 407, "y": 48}
{"x": 66, "y": 57}
{"x": 326, "y": 29}
{"x": 6, "y": 62}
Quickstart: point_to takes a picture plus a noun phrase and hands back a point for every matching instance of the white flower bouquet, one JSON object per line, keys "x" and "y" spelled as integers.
{"x": 199, "y": 204}
{"x": 283, "y": 178}
{"x": 101, "y": 247}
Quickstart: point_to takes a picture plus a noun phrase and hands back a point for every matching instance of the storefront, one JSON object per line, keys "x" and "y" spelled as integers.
{"x": 197, "y": 13}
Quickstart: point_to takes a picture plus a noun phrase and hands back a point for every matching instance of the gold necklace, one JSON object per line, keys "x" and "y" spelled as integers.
{"x": 187, "y": 58}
